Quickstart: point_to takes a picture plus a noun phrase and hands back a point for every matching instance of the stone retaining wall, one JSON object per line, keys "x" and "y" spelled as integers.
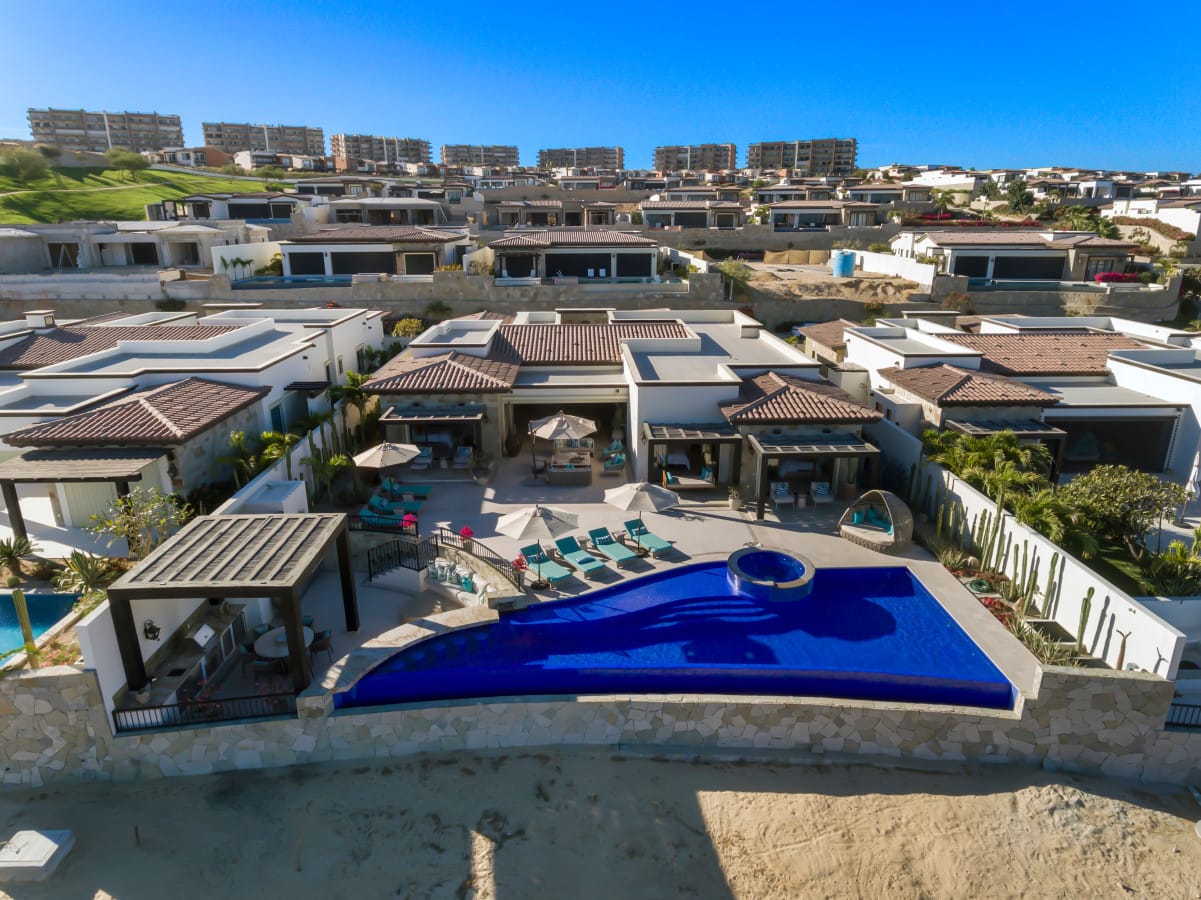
{"x": 53, "y": 727}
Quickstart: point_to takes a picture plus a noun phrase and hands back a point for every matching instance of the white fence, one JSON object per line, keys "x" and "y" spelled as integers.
{"x": 899, "y": 266}
{"x": 1116, "y": 625}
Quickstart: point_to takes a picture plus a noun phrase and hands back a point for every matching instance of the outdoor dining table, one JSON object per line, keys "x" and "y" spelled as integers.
{"x": 274, "y": 644}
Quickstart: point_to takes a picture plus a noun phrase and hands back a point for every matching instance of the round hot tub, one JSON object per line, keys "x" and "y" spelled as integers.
{"x": 773, "y": 575}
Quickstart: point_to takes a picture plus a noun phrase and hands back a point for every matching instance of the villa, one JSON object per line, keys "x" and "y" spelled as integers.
{"x": 394, "y": 250}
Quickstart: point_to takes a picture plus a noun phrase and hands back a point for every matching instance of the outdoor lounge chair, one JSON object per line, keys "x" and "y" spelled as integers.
{"x": 400, "y": 489}
{"x": 577, "y": 556}
{"x": 782, "y": 495}
{"x": 643, "y": 538}
{"x": 423, "y": 459}
{"x": 819, "y": 491}
{"x": 605, "y": 544}
{"x": 614, "y": 465}
{"x": 544, "y": 568}
{"x": 879, "y": 520}
{"x": 462, "y": 458}
{"x": 615, "y": 447}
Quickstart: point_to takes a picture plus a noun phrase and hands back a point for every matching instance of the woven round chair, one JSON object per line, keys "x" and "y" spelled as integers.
{"x": 878, "y": 520}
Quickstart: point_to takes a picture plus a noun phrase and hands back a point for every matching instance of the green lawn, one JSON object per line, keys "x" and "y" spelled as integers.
{"x": 1114, "y": 564}
{"x": 73, "y": 195}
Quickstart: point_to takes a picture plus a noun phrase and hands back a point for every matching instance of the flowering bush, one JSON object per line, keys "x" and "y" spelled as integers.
{"x": 1115, "y": 277}
{"x": 520, "y": 565}
{"x": 408, "y": 520}
{"x": 466, "y": 533}
{"x": 998, "y": 608}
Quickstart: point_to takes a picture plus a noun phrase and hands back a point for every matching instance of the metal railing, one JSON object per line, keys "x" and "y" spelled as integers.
{"x": 203, "y": 712}
{"x": 447, "y": 538}
{"x": 415, "y": 555}
{"x": 1184, "y": 715}
{"x": 381, "y": 523}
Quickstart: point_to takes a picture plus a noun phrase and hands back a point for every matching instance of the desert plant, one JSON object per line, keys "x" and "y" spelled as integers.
{"x": 86, "y": 573}
{"x": 13, "y": 550}
{"x": 143, "y": 518}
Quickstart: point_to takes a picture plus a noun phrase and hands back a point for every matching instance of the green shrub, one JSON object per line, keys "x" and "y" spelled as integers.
{"x": 880, "y": 247}
{"x": 13, "y": 581}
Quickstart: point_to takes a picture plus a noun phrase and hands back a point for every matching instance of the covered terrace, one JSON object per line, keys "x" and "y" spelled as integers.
{"x": 814, "y": 449}
{"x": 240, "y": 556}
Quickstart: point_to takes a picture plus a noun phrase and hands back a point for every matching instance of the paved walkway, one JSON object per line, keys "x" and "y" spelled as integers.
{"x": 53, "y": 541}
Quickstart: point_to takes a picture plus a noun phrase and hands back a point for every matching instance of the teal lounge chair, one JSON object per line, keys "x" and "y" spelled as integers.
{"x": 606, "y": 546}
{"x": 643, "y": 538}
{"x": 545, "y": 568}
{"x": 614, "y": 465}
{"x": 400, "y": 489}
{"x": 382, "y": 507}
{"x": 579, "y": 557}
{"x": 615, "y": 447}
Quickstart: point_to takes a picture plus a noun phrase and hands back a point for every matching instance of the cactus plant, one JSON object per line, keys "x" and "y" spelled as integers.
{"x": 1049, "y": 590}
{"x": 1085, "y": 608}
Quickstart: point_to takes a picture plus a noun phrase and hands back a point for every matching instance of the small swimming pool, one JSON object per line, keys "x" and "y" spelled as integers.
{"x": 44, "y": 611}
{"x": 870, "y": 634}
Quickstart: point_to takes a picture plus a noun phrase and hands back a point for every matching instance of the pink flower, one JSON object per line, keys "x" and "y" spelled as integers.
{"x": 409, "y": 519}
{"x": 466, "y": 533}
{"x": 520, "y": 564}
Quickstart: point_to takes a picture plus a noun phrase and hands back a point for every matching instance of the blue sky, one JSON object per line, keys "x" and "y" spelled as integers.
{"x": 1024, "y": 84}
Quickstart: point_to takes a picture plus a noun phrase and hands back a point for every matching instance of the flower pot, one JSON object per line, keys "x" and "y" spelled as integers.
{"x": 735, "y": 502}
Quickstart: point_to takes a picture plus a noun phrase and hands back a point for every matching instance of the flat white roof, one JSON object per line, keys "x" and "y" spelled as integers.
{"x": 721, "y": 346}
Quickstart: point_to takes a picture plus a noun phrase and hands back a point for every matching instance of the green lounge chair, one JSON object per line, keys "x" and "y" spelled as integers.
{"x": 400, "y": 489}
{"x": 381, "y": 507}
{"x": 545, "y": 568}
{"x": 579, "y": 557}
{"x": 606, "y": 546}
{"x": 643, "y": 538}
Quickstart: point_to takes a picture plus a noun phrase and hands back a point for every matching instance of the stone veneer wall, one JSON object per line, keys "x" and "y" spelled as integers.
{"x": 53, "y": 727}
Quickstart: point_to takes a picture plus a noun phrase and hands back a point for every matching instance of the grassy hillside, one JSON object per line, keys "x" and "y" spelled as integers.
{"x": 102, "y": 194}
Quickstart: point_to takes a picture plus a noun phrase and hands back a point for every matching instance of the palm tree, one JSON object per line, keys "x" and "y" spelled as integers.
{"x": 278, "y": 445}
{"x": 943, "y": 201}
{"x": 1077, "y": 218}
{"x": 241, "y": 458}
{"x": 325, "y": 468}
{"x": 12, "y": 550}
{"x": 352, "y": 393}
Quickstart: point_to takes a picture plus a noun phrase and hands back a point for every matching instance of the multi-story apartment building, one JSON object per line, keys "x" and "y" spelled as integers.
{"x": 230, "y": 137}
{"x": 379, "y": 149}
{"x": 579, "y": 157}
{"x": 80, "y": 130}
{"x": 833, "y": 156}
{"x": 480, "y": 155}
{"x": 696, "y": 157}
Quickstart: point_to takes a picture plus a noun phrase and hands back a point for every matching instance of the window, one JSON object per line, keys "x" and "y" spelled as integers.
{"x": 277, "y": 418}
{"x": 340, "y": 369}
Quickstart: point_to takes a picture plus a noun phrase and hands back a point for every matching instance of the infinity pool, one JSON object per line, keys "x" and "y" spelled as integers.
{"x": 869, "y": 634}
{"x": 44, "y": 611}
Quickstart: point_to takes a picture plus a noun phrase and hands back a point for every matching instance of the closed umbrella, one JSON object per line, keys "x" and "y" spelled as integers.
{"x": 643, "y": 497}
{"x": 560, "y": 426}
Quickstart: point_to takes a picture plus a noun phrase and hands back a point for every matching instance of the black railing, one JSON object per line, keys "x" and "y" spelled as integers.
{"x": 203, "y": 712}
{"x": 1184, "y": 715}
{"x": 415, "y": 555}
{"x": 382, "y": 523}
{"x": 448, "y": 538}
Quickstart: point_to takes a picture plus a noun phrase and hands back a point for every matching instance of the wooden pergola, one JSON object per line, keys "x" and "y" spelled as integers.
{"x": 768, "y": 447}
{"x": 68, "y": 466}
{"x": 237, "y": 556}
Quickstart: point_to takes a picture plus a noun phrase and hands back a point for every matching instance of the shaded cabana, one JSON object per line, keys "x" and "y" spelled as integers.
{"x": 68, "y": 466}
{"x": 766, "y": 448}
{"x": 220, "y": 557}
{"x": 878, "y": 520}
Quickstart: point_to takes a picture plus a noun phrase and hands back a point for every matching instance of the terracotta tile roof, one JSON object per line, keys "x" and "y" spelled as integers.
{"x": 161, "y": 416}
{"x": 73, "y": 341}
{"x": 947, "y": 385}
{"x": 1044, "y": 354}
{"x": 380, "y": 234}
{"x": 562, "y": 237}
{"x": 773, "y": 397}
{"x": 550, "y": 345}
{"x": 533, "y": 204}
{"x": 446, "y": 373}
{"x": 828, "y": 334}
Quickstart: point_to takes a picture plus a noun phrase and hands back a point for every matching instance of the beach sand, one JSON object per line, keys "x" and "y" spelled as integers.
{"x": 595, "y": 825}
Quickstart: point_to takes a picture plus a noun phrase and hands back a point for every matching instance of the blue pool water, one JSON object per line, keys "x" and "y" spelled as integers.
{"x": 44, "y": 611}
{"x": 873, "y": 634}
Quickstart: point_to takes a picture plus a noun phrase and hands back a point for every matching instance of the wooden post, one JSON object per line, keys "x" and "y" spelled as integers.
{"x": 350, "y": 600}
{"x": 126, "y": 630}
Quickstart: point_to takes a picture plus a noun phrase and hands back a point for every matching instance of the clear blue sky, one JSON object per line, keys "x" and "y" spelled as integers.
{"x": 1091, "y": 85}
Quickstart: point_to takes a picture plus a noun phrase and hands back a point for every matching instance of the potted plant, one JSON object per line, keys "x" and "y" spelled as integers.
{"x": 465, "y": 535}
{"x": 735, "y": 497}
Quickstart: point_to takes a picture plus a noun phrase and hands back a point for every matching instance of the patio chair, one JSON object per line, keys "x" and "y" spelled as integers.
{"x": 605, "y": 544}
{"x": 782, "y": 495}
{"x": 267, "y": 670}
{"x": 381, "y": 506}
{"x": 615, "y": 447}
{"x": 462, "y": 458}
{"x": 545, "y": 568}
{"x": 643, "y": 538}
{"x": 819, "y": 491}
{"x": 423, "y": 459}
{"x": 614, "y": 465}
{"x": 306, "y": 621}
{"x": 577, "y": 556}
{"x": 322, "y": 643}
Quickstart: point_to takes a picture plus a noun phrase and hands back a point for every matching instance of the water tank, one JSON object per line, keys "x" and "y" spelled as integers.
{"x": 842, "y": 263}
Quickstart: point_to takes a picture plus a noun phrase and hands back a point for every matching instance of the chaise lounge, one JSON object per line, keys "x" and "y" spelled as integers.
{"x": 606, "y": 545}
{"x": 879, "y": 520}
{"x": 570, "y": 549}
{"x": 545, "y": 568}
{"x": 643, "y": 538}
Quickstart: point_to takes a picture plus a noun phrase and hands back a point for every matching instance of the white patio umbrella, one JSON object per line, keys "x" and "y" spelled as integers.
{"x": 560, "y": 426}
{"x": 385, "y": 455}
{"x": 643, "y": 497}
{"x": 537, "y": 523}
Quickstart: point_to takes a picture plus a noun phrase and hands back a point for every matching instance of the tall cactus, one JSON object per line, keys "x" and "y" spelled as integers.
{"x": 1049, "y": 590}
{"x": 1085, "y": 608}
